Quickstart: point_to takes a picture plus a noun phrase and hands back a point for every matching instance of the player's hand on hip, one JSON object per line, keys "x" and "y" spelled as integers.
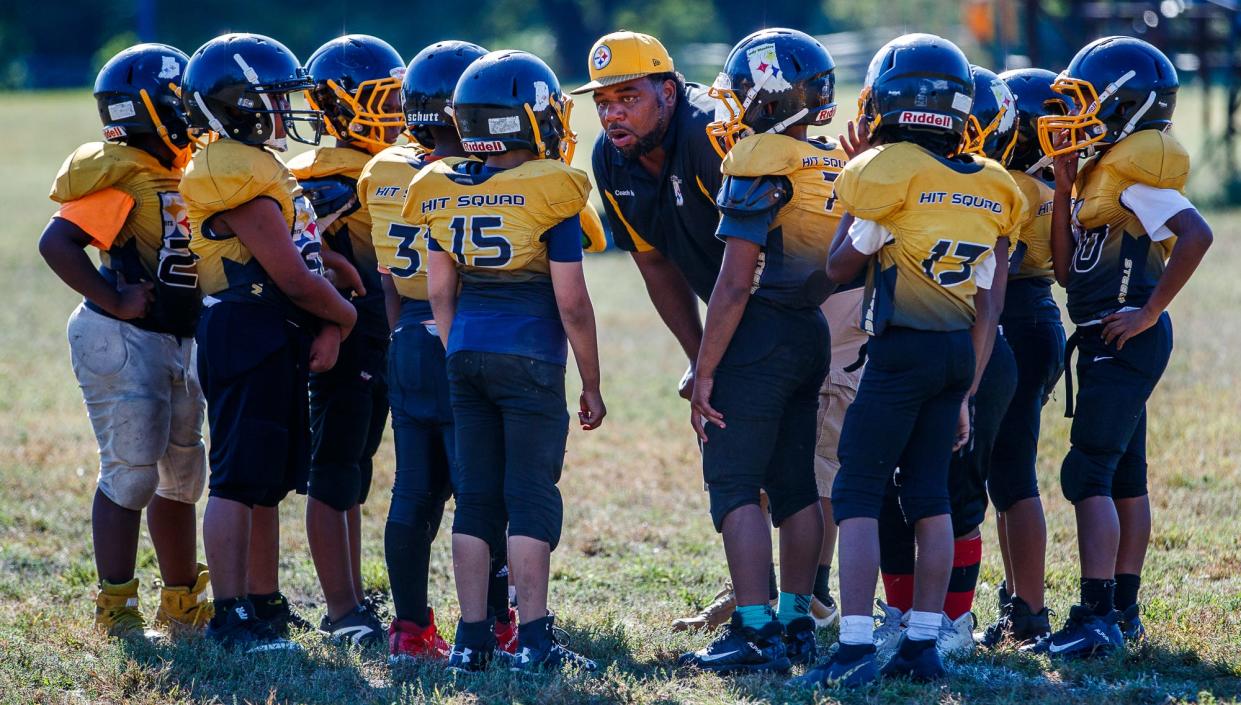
{"x": 325, "y": 348}
{"x": 592, "y": 410}
{"x": 701, "y": 411}
{"x": 132, "y": 300}
{"x": 1119, "y": 327}
{"x": 965, "y": 425}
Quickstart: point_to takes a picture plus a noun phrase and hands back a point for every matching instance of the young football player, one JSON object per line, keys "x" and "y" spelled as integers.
{"x": 990, "y": 132}
{"x": 1031, "y": 326}
{"x": 131, "y": 338}
{"x": 765, "y": 347}
{"x": 925, "y": 220}
{"x": 271, "y": 318}
{"x": 418, "y": 384}
{"x": 357, "y": 81}
{"x": 1125, "y": 240}
{"x": 506, "y": 287}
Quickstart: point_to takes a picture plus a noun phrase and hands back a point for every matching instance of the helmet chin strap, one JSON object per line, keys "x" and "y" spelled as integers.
{"x": 790, "y": 120}
{"x": 1133, "y": 122}
{"x": 212, "y": 120}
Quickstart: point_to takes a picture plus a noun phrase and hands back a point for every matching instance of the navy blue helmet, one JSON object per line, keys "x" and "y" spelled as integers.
{"x": 918, "y": 82}
{"x": 510, "y": 100}
{"x": 429, "y": 82}
{"x": 138, "y": 93}
{"x": 992, "y": 127}
{"x": 1115, "y": 87}
{"x": 357, "y": 78}
{"x": 236, "y": 85}
{"x": 1035, "y": 98}
{"x": 772, "y": 80}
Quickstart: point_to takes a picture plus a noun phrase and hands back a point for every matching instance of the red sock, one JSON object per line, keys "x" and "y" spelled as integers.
{"x": 966, "y": 555}
{"x": 898, "y": 588}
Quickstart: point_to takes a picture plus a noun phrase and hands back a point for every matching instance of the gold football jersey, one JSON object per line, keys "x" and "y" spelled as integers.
{"x": 1116, "y": 264}
{"x": 225, "y": 175}
{"x": 493, "y": 223}
{"x": 791, "y": 266}
{"x": 153, "y": 242}
{"x": 399, "y": 247}
{"x": 1034, "y": 236}
{"x": 325, "y": 162}
{"x": 944, "y": 216}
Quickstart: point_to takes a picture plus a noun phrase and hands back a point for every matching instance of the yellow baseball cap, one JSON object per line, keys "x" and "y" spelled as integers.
{"x": 623, "y": 56}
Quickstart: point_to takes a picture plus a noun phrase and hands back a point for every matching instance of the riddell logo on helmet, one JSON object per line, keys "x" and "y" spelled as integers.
{"x": 483, "y": 145}
{"x": 910, "y": 117}
{"x": 113, "y": 132}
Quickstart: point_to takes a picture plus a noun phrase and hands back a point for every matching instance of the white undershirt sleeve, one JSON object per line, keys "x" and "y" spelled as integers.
{"x": 1154, "y": 206}
{"x": 868, "y": 237}
{"x": 984, "y": 272}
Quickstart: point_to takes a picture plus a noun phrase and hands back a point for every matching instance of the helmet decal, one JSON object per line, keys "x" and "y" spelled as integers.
{"x": 170, "y": 68}
{"x": 765, "y": 68}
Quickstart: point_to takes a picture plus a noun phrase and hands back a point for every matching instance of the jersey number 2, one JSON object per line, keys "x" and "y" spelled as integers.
{"x": 176, "y": 262}
{"x": 484, "y": 250}
{"x": 965, "y": 255}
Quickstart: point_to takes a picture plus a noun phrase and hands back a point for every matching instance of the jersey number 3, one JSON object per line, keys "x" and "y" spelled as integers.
{"x": 406, "y": 237}
{"x": 482, "y": 249}
{"x": 959, "y": 266}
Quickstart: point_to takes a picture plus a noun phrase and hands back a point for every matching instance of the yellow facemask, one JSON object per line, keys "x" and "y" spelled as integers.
{"x": 976, "y": 136}
{"x": 1081, "y": 127}
{"x": 371, "y": 119}
{"x": 568, "y": 140}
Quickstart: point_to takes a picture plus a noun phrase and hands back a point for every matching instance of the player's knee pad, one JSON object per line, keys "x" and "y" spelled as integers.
{"x": 1130, "y": 478}
{"x": 1007, "y": 491}
{"x": 1086, "y": 473}
{"x": 536, "y": 512}
{"x": 918, "y": 505}
{"x": 130, "y": 487}
{"x": 138, "y": 431}
{"x": 336, "y": 485}
{"x": 481, "y": 515}
{"x": 183, "y": 473}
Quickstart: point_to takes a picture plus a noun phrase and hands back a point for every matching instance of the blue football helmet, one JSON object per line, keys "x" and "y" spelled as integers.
{"x": 139, "y": 93}
{"x": 510, "y": 100}
{"x": 772, "y": 80}
{"x": 236, "y": 85}
{"x": 429, "y": 82}
{"x": 920, "y": 83}
{"x": 1035, "y": 98}
{"x": 357, "y": 82}
{"x": 992, "y": 127}
{"x": 1115, "y": 86}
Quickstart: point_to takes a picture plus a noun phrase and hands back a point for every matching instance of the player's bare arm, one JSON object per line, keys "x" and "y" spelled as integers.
{"x": 442, "y": 278}
{"x": 577, "y": 314}
{"x": 63, "y": 246}
{"x": 1062, "y": 244}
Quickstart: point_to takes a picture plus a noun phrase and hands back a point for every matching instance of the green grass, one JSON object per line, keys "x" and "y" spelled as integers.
{"x": 638, "y": 547}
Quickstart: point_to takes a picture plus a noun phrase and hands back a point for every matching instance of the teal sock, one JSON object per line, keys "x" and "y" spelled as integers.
{"x": 792, "y": 606}
{"x": 755, "y": 616}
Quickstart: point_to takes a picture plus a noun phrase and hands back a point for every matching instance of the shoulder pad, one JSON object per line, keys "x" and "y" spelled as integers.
{"x": 1034, "y": 191}
{"x": 226, "y": 174}
{"x": 330, "y": 195}
{"x": 564, "y": 188}
{"x": 1004, "y": 188}
{"x": 751, "y": 195}
{"x": 95, "y": 166}
{"x": 763, "y": 155}
{"x": 874, "y": 183}
{"x": 593, "y": 237}
{"x": 328, "y": 161}
{"x": 1149, "y": 157}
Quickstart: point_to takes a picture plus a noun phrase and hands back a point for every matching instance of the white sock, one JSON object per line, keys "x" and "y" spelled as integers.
{"x": 857, "y": 629}
{"x": 924, "y": 626}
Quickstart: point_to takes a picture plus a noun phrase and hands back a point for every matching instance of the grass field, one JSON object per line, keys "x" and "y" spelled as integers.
{"x": 638, "y": 547}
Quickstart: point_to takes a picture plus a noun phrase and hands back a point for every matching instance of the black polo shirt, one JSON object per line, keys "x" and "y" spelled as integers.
{"x": 675, "y": 212}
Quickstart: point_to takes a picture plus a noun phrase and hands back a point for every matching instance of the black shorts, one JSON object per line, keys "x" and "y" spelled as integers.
{"x": 512, "y": 422}
{"x": 905, "y": 414}
{"x": 348, "y": 412}
{"x": 970, "y": 468}
{"x": 1108, "y": 440}
{"x": 1038, "y": 348}
{"x": 767, "y": 388}
{"x": 253, "y": 366}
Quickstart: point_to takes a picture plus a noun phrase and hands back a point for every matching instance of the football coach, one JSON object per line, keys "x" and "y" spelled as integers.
{"x": 658, "y": 174}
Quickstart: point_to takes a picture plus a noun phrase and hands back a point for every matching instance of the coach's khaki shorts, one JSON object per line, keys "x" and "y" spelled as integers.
{"x": 843, "y": 312}
{"x": 142, "y": 395}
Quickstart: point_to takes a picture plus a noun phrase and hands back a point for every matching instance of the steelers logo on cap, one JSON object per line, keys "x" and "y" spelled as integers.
{"x": 602, "y": 57}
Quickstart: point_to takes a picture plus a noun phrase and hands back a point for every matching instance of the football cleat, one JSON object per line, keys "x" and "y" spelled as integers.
{"x": 239, "y": 629}
{"x": 1130, "y": 623}
{"x": 463, "y": 659}
{"x": 740, "y": 648}
{"x": 713, "y": 615}
{"x": 891, "y": 624}
{"x": 506, "y": 633}
{"x": 1017, "y": 624}
{"x": 117, "y": 613}
{"x": 825, "y": 613}
{"x": 184, "y": 610}
{"x": 850, "y": 666}
{"x": 916, "y": 660}
{"x": 544, "y": 649}
{"x": 280, "y": 615}
{"x": 956, "y": 636}
{"x": 1083, "y": 635}
{"x": 799, "y": 642}
{"x": 357, "y": 628}
{"x": 407, "y": 640}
